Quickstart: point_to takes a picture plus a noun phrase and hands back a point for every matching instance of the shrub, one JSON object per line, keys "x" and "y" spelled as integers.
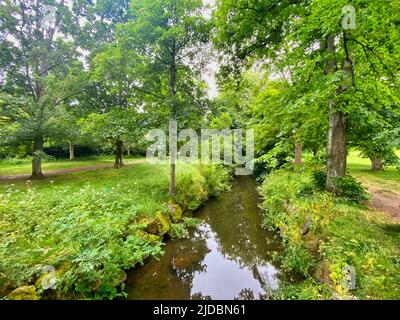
{"x": 194, "y": 187}
{"x": 178, "y": 231}
{"x": 349, "y": 188}
{"x": 319, "y": 179}
{"x": 191, "y": 190}
{"x": 345, "y": 187}
{"x": 216, "y": 177}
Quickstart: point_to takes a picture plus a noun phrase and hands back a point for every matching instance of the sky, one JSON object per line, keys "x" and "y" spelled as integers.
{"x": 212, "y": 67}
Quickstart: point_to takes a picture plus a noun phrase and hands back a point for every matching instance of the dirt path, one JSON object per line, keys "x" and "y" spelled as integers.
{"x": 52, "y": 173}
{"x": 384, "y": 201}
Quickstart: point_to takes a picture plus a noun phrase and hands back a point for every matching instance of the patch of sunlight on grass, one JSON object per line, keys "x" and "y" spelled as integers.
{"x": 388, "y": 179}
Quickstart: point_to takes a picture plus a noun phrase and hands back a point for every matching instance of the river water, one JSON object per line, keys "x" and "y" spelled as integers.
{"x": 229, "y": 255}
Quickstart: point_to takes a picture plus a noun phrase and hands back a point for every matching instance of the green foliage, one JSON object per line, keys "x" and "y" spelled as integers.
{"x": 339, "y": 234}
{"x": 308, "y": 289}
{"x": 191, "y": 222}
{"x": 216, "y": 178}
{"x": 319, "y": 179}
{"x": 191, "y": 190}
{"x": 194, "y": 188}
{"x": 313, "y": 76}
{"x": 278, "y": 190}
{"x": 349, "y": 188}
{"x": 178, "y": 230}
{"x": 42, "y": 72}
{"x": 89, "y": 225}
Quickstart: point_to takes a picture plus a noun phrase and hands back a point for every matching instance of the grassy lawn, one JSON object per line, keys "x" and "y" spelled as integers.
{"x": 389, "y": 179}
{"x": 91, "y": 226}
{"x": 24, "y": 166}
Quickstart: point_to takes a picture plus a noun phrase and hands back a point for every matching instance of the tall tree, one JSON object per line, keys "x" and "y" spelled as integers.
{"x": 37, "y": 71}
{"x": 324, "y": 50}
{"x": 168, "y": 37}
{"x": 114, "y": 126}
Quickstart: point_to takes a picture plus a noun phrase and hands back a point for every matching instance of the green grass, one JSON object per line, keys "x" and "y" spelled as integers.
{"x": 92, "y": 225}
{"x": 341, "y": 234}
{"x": 24, "y": 166}
{"x": 388, "y": 179}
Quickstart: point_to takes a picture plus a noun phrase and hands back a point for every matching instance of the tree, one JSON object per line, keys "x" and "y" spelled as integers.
{"x": 311, "y": 42}
{"x": 168, "y": 36}
{"x": 114, "y": 127}
{"x": 68, "y": 130}
{"x": 378, "y": 127}
{"x": 38, "y": 71}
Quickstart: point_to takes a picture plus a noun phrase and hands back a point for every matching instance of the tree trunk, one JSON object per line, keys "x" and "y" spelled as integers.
{"x": 37, "y": 158}
{"x": 376, "y": 164}
{"x": 297, "y": 153}
{"x": 119, "y": 163}
{"x": 128, "y": 151}
{"x": 173, "y": 151}
{"x": 337, "y": 147}
{"x": 71, "y": 151}
{"x": 337, "y": 135}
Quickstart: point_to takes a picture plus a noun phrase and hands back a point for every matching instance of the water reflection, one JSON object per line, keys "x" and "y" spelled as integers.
{"x": 227, "y": 257}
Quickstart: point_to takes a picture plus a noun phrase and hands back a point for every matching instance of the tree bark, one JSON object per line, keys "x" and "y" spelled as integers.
{"x": 337, "y": 147}
{"x": 297, "y": 153}
{"x": 37, "y": 158}
{"x": 71, "y": 151}
{"x": 376, "y": 164}
{"x": 119, "y": 163}
{"x": 173, "y": 151}
{"x": 337, "y": 134}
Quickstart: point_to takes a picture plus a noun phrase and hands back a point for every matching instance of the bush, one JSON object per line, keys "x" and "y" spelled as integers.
{"x": 319, "y": 179}
{"x": 191, "y": 190}
{"x": 345, "y": 187}
{"x": 217, "y": 179}
{"x": 349, "y": 188}
{"x": 319, "y": 159}
{"x": 178, "y": 231}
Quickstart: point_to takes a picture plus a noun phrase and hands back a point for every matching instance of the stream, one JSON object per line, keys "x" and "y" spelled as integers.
{"x": 229, "y": 255}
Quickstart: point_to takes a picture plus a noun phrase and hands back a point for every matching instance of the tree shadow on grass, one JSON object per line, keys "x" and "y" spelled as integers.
{"x": 391, "y": 229}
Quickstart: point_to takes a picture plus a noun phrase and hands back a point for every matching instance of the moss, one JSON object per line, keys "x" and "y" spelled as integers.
{"x": 4, "y": 285}
{"x": 175, "y": 212}
{"x": 120, "y": 278}
{"x": 163, "y": 223}
{"x": 150, "y": 224}
{"x": 24, "y": 293}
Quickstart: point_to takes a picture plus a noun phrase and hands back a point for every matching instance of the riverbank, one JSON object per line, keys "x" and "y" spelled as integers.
{"x": 92, "y": 226}
{"x": 228, "y": 256}
{"x": 328, "y": 240}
